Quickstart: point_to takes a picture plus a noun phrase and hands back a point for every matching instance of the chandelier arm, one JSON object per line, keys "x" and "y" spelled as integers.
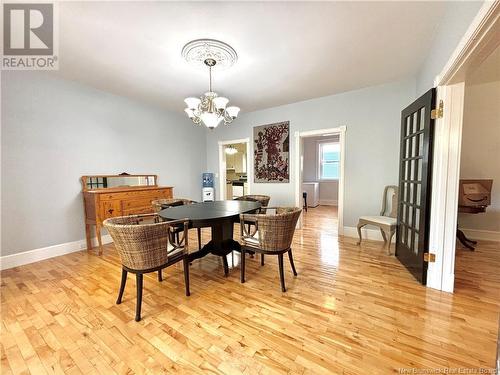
{"x": 227, "y": 119}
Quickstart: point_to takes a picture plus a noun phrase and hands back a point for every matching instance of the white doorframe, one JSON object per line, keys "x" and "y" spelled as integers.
{"x": 480, "y": 39}
{"x": 222, "y": 165}
{"x": 341, "y": 130}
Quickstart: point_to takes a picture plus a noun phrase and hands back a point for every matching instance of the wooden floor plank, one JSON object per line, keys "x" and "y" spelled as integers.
{"x": 351, "y": 310}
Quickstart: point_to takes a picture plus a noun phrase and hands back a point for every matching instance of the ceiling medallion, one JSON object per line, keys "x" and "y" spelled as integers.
{"x": 210, "y": 109}
{"x": 199, "y": 50}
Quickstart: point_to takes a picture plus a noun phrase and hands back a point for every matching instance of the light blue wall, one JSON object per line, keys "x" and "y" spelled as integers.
{"x": 454, "y": 24}
{"x": 372, "y": 118}
{"x": 54, "y": 131}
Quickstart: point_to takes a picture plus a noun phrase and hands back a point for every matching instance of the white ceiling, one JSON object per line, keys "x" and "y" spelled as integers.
{"x": 288, "y": 51}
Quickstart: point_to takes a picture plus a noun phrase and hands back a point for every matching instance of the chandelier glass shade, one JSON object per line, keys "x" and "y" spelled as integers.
{"x": 210, "y": 109}
{"x": 231, "y": 150}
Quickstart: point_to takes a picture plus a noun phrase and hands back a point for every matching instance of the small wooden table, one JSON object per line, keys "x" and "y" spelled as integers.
{"x": 218, "y": 215}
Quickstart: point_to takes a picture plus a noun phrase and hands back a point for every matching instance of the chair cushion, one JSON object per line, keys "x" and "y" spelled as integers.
{"x": 385, "y": 220}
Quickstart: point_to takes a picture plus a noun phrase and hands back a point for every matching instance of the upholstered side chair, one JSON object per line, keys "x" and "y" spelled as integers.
{"x": 387, "y": 220}
{"x": 273, "y": 236}
{"x": 146, "y": 245}
{"x": 160, "y": 204}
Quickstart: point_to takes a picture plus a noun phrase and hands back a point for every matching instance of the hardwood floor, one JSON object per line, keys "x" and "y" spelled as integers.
{"x": 351, "y": 310}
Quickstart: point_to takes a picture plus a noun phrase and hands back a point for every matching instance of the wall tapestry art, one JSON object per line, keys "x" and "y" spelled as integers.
{"x": 272, "y": 152}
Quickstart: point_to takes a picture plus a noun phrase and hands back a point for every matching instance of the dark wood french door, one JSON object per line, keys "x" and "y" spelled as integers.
{"x": 415, "y": 172}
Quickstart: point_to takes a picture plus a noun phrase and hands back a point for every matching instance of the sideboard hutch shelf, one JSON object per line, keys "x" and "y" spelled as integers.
{"x": 106, "y": 196}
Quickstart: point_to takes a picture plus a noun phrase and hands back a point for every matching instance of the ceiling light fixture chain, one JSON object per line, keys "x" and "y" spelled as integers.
{"x": 210, "y": 109}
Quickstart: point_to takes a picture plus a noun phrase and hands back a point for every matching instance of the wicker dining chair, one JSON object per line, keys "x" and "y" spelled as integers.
{"x": 273, "y": 236}
{"x": 160, "y": 204}
{"x": 262, "y": 199}
{"x": 146, "y": 245}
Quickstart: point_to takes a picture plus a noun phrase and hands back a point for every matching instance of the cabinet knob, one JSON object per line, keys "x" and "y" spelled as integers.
{"x": 110, "y": 211}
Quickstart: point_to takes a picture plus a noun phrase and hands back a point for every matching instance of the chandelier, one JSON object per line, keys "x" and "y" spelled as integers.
{"x": 210, "y": 109}
{"x": 231, "y": 150}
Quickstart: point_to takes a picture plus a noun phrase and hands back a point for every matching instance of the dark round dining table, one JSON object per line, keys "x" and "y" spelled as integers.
{"x": 220, "y": 217}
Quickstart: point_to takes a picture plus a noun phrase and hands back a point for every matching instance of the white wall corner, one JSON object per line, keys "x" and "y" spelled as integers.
{"x": 36, "y": 255}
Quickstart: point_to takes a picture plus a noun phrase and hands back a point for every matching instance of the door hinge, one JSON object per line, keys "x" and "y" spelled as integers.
{"x": 437, "y": 112}
{"x": 429, "y": 257}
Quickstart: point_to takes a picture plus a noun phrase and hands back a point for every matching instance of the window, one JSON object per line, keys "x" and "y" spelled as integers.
{"x": 329, "y": 161}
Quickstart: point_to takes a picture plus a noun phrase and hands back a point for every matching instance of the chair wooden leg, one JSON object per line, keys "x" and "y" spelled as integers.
{"x": 199, "y": 238}
{"x": 282, "y": 273}
{"x": 290, "y": 257}
{"x": 122, "y": 287}
{"x": 186, "y": 276}
{"x": 359, "y": 233}
{"x": 384, "y": 236}
{"x": 160, "y": 277}
{"x": 139, "y": 279}
{"x": 226, "y": 267}
{"x": 389, "y": 242}
{"x": 242, "y": 266}
{"x": 261, "y": 259}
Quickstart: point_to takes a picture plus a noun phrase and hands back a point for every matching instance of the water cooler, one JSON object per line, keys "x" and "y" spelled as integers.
{"x": 208, "y": 191}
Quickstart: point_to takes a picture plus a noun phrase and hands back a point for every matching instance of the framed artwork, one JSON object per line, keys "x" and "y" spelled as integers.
{"x": 272, "y": 152}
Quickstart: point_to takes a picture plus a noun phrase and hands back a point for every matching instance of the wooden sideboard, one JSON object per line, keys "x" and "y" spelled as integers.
{"x": 101, "y": 203}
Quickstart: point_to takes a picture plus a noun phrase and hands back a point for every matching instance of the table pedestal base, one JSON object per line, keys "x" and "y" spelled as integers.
{"x": 222, "y": 244}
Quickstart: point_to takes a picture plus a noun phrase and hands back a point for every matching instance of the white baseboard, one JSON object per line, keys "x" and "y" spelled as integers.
{"x": 366, "y": 233}
{"x": 36, "y": 255}
{"x": 448, "y": 283}
{"x": 328, "y": 202}
{"x": 478, "y": 234}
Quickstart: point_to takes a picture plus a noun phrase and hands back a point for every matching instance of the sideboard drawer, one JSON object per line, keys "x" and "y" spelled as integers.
{"x": 136, "y": 203}
{"x": 138, "y": 211}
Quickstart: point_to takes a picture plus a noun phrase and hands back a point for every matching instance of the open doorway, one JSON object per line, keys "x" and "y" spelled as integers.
{"x": 477, "y": 258}
{"x": 320, "y": 175}
{"x": 320, "y": 172}
{"x": 233, "y": 168}
{"x": 479, "y": 42}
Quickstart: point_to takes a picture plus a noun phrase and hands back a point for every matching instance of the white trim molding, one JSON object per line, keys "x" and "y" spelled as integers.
{"x": 479, "y": 40}
{"x": 446, "y": 170}
{"x": 36, "y": 255}
{"x": 477, "y": 43}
